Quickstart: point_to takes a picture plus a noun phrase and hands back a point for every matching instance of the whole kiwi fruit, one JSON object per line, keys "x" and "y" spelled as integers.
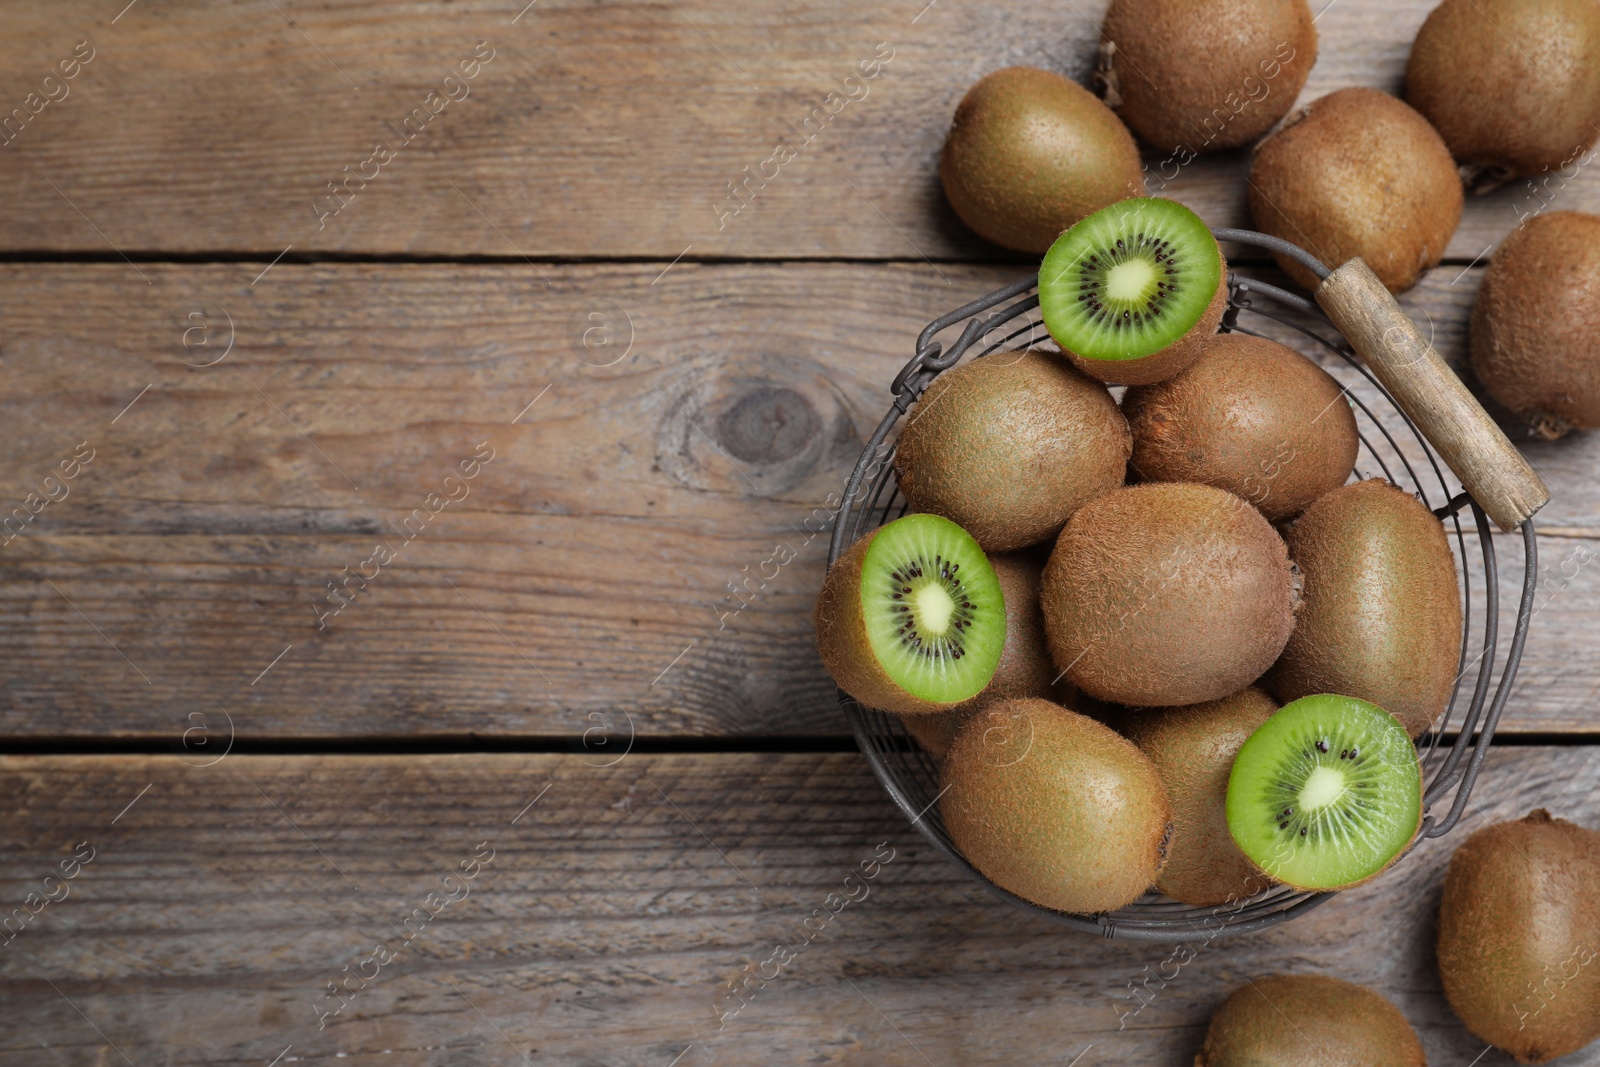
{"x": 1029, "y": 153}
{"x": 1025, "y": 669}
{"x": 1519, "y": 930}
{"x": 1167, "y": 594}
{"x": 1536, "y": 324}
{"x": 1193, "y": 749}
{"x": 1055, "y": 807}
{"x": 1358, "y": 173}
{"x": 1380, "y": 608}
{"x": 1308, "y": 1019}
{"x": 1010, "y": 445}
{"x": 1251, "y": 416}
{"x": 1513, "y": 86}
{"x": 1198, "y": 75}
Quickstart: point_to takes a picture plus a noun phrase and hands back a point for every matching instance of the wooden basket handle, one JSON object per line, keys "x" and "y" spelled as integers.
{"x": 1428, "y": 391}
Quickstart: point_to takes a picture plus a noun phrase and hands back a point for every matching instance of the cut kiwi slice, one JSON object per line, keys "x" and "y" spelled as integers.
{"x": 911, "y": 618}
{"x": 1326, "y": 793}
{"x": 1128, "y": 282}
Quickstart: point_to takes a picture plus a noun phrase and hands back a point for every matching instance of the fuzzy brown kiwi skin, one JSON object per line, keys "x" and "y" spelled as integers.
{"x": 1358, "y": 173}
{"x": 1176, "y": 357}
{"x": 1519, "y": 908}
{"x": 1193, "y": 749}
{"x": 1167, "y": 594}
{"x": 1380, "y": 610}
{"x": 1253, "y": 417}
{"x": 1055, "y": 807}
{"x": 1281, "y": 1018}
{"x": 1511, "y": 85}
{"x": 1010, "y": 445}
{"x": 1209, "y": 61}
{"x": 1025, "y": 669}
{"x": 843, "y": 644}
{"x": 1029, "y": 153}
{"x": 1536, "y": 324}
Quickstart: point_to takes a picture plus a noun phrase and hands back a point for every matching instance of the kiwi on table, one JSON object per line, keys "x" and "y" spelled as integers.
{"x": 1536, "y": 325}
{"x": 1055, "y": 807}
{"x": 1513, "y": 86}
{"x": 1025, "y": 669}
{"x": 1358, "y": 173}
{"x": 1009, "y": 445}
{"x": 1327, "y": 794}
{"x": 1193, "y": 749}
{"x": 1199, "y": 75}
{"x": 911, "y": 618}
{"x": 1519, "y": 929}
{"x": 1167, "y": 594}
{"x": 1029, "y": 153}
{"x": 1308, "y": 1019}
{"x": 1380, "y": 609}
{"x": 1251, "y": 416}
{"x": 1134, "y": 292}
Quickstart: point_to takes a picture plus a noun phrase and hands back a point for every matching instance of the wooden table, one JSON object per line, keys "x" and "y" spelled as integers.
{"x": 545, "y": 679}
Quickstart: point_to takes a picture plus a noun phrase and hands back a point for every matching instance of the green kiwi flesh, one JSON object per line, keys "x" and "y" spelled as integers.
{"x": 1166, "y": 594}
{"x": 1193, "y": 749}
{"x": 1055, "y": 807}
{"x": 911, "y": 618}
{"x": 1251, "y": 416}
{"x": 1358, "y": 173}
{"x": 1536, "y": 323}
{"x": 1312, "y": 1020}
{"x": 1010, "y": 445}
{"x": 1220, "y": 72}
{"x": 1511, "y": 85}
{"x": 1519, "y": 929}
{"x": 1133, "y": 292}
{"x": 1029, "y": 153}
{"x": 1326, "y": 794}
{"x": 1380, "y": 610}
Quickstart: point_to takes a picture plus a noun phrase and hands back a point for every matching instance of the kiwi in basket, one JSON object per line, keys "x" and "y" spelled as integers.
{"x": 1167, "y": 594}
{"x": 1358, "y": 173}
{"x": 1055, "y": 807}
{"x": 1518, "y": 936}
{"x": 1009, "y": 445}
{"x": 1135, "y": 291}
{"x": 1251, "y": 416}
{"x": 911, "y": 618}
{"x": 1193, "y": 749}
{"x": 1326, "y": 794}
{"x": 1380, "y": 609}
{"x": 1030, "y": 153}
{"x": 1308, "y": 1019}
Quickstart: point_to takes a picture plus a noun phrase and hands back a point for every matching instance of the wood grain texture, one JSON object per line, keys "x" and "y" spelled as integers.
{"x": 596, "y": 130}
{"x": 613, "y": 914}
{"x": 590, "y": 568}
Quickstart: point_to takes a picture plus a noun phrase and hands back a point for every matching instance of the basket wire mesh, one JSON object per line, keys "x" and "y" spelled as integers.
{"x": 1007, "y": 320}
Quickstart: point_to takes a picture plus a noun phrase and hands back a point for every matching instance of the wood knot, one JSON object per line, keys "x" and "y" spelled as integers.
{"x": 768, "y": 425}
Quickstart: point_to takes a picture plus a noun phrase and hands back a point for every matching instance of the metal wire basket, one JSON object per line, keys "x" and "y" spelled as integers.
{"x": 1005, "y": 320}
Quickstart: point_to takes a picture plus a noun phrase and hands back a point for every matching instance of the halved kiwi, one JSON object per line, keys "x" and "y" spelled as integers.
{"x": 911, "y": 618}
{"x": 1134, "y": 292}
{"x": 1326, "y": 794}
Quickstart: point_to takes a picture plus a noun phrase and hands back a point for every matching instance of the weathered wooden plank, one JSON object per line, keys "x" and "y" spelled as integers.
{"x": 612, "y": 130}
{"x": 587, "y": 569}
{"x": 613, "y": 914}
